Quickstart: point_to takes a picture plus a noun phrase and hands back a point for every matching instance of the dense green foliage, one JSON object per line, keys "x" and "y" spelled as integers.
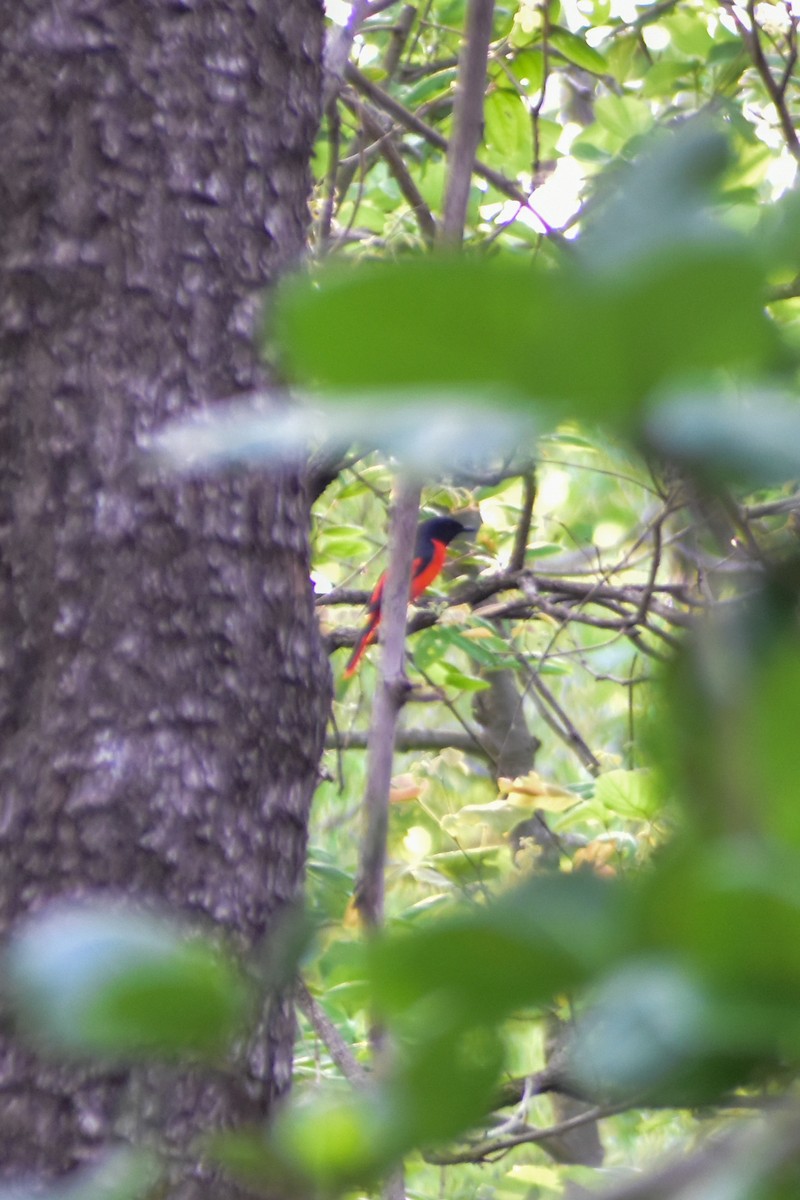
{"x": 608, "y": 374}
{"x": 649, "y": 627}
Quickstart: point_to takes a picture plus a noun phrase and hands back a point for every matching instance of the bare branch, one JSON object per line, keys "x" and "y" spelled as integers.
{"x": 467, "y": 118}
{"x": 517, "y": 560}
{"x": 491, "y": 1148}
{"x": 389, "y": 697}
{"x": 414, "y": 739}
{"x": 325, "y": 1029}
{"x": 386, "y": 146}
{"x": 553, "y": 715}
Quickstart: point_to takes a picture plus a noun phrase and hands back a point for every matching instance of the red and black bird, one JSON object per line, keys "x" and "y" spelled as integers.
{"x": 433, "y": 538}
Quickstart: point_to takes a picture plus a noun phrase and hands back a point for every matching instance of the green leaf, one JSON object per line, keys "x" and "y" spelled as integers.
{"x": 452, "y": 677}
{"x": 329, "y": 887}
{"x": 435, "y": 320}
{"x": 543, "y": 937}
{"x": 119, "y": 983}
{"x": 662, "y": 200}
{"x": 507, "y": 130}
{"x": 328, "y": 1141}
{"x": 731, "y": 913}
{"x": 548, "y": 134}
{"x": 341, "y": 541}
{"x": 338, "y": 1140}
{"x": 342, "y": 966}
{"x": 429, "y": 87}
{"x": 692, "y": 311}
{"x": 528, "y": 68}
{"x": 475, "y": 865}
{"x": 625, "y": 58}
{"x": 623, "y": 118}
{"x": 577, "y": 51}
{"x": 664, "y": 77}
{"x": 632, "y": 795}
{"x": 729, "y": 732}
{"x": 658, "y": 291}
{"x": 652, "y": 1032}
{"x": 688, "y": 30}
{"x": 444, "y": 1082}
{"x": 499, "y": 326}
{"x": 432, "y": 646}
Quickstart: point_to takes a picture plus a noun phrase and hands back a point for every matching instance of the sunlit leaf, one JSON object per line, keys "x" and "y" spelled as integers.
{"x": 326, "y": 1142}
{"x": 507, "y": 129}
{"x": 631, "y": 794}
{"x": 335, "y": 1139}
{"x": 577, "y": 51}
{"x": 528, "y": 68}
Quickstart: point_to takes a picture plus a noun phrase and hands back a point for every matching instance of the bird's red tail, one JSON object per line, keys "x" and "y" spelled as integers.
{"x": 368, "y": 635}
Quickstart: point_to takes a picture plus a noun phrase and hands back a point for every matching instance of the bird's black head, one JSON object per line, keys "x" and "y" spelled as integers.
{"x": 442, "y": 529}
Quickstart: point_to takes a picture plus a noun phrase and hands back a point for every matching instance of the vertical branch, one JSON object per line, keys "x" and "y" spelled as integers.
{"x": 392, "y": 684}
{"x": 517, "y": 560}
{"x": 389, "y": 697}
{"x": 397, "y": 42}
{"x": 467, "y": 118}
{"x": 329, "y": 201}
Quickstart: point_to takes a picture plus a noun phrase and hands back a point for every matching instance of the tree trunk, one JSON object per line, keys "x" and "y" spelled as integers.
{"x": 163, "y": 690}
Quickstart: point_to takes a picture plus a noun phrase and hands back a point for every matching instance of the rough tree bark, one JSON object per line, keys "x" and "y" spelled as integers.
{"x": 163, "y": 690}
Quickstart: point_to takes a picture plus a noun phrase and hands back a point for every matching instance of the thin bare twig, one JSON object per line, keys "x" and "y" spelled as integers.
{"x": 553, "y": 715}
{"x": 480, "y": 590}
{"x": 398, "y": 40}
{"x": 468, "y": 729}
{"x": 772, "y": 508}
{"x": 329, "y": 192}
